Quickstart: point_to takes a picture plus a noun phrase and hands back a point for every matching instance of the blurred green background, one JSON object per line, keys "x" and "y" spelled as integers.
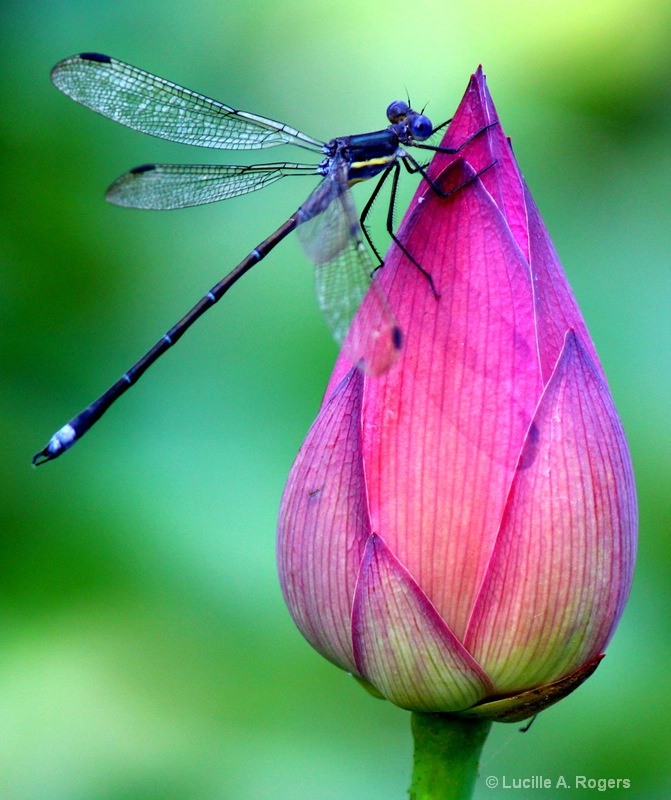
{"x": 145, "y": 649}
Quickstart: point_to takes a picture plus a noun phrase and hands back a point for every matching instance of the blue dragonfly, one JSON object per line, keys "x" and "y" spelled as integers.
{"x": 331, "y": 232}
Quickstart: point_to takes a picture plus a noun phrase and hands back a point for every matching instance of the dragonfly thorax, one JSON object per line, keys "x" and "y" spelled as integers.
{"x": 365, "y": 154}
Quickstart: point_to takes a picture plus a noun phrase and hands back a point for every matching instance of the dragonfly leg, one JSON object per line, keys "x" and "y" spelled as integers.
{"x": 454, "y": 150}
{"x": 417, "y": 167}
{"x": 390, "y": 222}
{"x": 397, "y": 241}
{"x": 364, "y": 216}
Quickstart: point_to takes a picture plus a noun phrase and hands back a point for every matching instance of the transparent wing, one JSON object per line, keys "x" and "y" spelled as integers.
{"x": 166, "y": 186}
{"x": 353, "y": 303}
{"x": 153, "y": 105}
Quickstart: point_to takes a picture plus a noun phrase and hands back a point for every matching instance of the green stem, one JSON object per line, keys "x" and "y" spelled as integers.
{"x": 447, "y": 752}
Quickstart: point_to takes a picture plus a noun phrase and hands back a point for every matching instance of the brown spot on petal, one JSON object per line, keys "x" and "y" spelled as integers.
{"x": 530, "y": 449}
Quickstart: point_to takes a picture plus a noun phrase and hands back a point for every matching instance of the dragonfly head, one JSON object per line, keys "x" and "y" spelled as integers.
{"x": 411, "y": 126}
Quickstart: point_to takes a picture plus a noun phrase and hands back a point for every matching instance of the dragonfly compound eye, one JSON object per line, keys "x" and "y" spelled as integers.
{"x": 420, "y": 127}
{"x": 397, "y": 111}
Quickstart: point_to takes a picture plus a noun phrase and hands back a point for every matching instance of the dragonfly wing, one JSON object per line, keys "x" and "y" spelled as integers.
{"x": 150, "y": 104}
{"x": 351, "y": 300}
{"x": 167, "y": 186}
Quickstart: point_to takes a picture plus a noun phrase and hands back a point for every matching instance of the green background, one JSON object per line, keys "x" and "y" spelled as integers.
{"x": 145, "y": 651}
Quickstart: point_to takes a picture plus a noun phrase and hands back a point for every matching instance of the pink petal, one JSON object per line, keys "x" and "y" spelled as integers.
{"x": 443, "y": 429}
{"x": 556, "y": 307}
{"x": 323, "y": 525}
{"x": 401, "y": 644}
{"x": 562, "y": 567}
{"x": 490, "y": 147}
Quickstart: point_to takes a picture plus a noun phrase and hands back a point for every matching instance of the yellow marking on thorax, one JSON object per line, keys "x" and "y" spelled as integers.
{"x": 370, "y": 162}
{"x": 375, "y": 162}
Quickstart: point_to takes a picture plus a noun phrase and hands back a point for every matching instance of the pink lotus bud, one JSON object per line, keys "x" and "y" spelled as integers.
{"x": 461, "y": 530}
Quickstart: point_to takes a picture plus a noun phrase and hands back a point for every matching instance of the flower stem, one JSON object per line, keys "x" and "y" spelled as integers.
{"x": 447, "y": 752}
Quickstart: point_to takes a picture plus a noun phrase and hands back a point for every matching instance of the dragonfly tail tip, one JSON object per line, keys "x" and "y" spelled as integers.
{"x": 61, "y": 441}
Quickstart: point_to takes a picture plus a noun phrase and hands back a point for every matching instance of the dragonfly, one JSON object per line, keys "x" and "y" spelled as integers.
{"x": 330, "y": 231}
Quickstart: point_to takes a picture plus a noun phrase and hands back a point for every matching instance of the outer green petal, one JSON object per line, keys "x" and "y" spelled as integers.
{"x": 402, "y": 645}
